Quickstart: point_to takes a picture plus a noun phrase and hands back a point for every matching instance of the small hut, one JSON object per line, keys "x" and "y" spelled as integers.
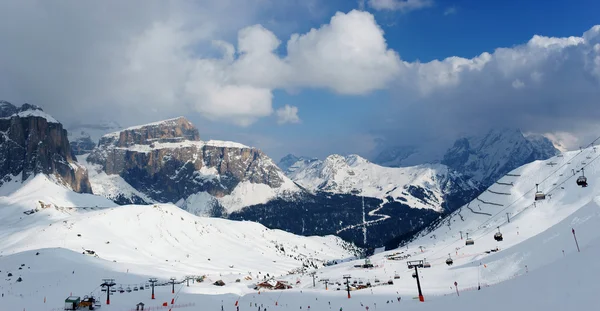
{"x": 72, "y": 302}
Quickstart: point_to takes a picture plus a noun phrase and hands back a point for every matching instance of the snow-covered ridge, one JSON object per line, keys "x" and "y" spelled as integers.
{"x": 351, "y": 174}
{"x": 184, "y": 144}
{"x": 167, "y": 122}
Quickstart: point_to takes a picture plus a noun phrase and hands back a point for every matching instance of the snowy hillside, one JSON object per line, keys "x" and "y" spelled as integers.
{"x": 535, "y": 234}
{"x": 86, "y": 236}
{"x": 536, "y": 264}
{"x": 419, "y": 187}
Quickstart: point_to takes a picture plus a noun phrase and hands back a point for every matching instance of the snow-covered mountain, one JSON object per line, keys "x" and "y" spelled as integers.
{"x": 485, "y": 159}
{"x": 291, "y": 163}
{"x": 537, "y": 263}
{"x": 167, "y": 162}
{"x": 32, "y": 143}
{"x": 422, "y": 186}
{"x": 84, "y": 137}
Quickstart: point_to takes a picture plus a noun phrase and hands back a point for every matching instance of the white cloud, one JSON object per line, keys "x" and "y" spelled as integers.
{"x": 450, "y": 11}
{"x": 287, "y": 114}
{"x": 349, "y": 55}
{"x": 162, "y": 62}
{"x": 400, "y": 5}
{"x": 518, "y": 84}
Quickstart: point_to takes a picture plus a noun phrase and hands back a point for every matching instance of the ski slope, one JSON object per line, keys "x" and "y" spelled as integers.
{"x": 536, "y": 266}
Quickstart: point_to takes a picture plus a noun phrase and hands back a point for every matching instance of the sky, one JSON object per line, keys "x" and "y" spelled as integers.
{"x": 311, "y": 77}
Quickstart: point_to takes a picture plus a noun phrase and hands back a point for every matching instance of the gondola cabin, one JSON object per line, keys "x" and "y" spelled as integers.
{"x": 582, "y": 181}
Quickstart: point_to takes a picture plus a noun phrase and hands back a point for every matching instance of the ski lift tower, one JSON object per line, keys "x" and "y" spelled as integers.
{"x": 173, "y": 285}
{"x": 347, "y": 278}
{"x": 326, "y": 281}
{"x": 108, "y": 283}
{"x": 152, "y": 281}
{"x": 417, "y": 264}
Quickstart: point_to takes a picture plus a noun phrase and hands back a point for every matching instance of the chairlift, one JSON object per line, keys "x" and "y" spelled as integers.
{"x": 141, "y": 286}
{"x": 113, "y": 290}
{"x": 538, "y": 194}
{"x": 147, "y": 286}
{"x": 104, "y": 289}
{"x": 469, "y": 241}
{"x": 121, "y": 289}
{"x": 414, "y": 275}
{"x": 498, "y": 236}
{"x": 396, "y": 276}
{"x": 128, "y": 289}
{"x": 426, "y": 264}
{"x": 582, "y": 180}
{"x": 135, "y": 289}
{"x": 588, "y": 158}
{"x": 449, "y": 261}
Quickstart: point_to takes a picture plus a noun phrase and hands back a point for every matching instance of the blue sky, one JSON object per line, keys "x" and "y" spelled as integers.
{"x": 448, "y": 28}
{"x": 369, "y": 72}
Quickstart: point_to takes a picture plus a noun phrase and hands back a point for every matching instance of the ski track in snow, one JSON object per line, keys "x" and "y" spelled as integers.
{"x": 370, "y": 222}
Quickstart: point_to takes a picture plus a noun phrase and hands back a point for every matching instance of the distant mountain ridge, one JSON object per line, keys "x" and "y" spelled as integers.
{"x": 483, "y": 158}
{"x": 487, "y": 158}
{"x": 419, "y": 187}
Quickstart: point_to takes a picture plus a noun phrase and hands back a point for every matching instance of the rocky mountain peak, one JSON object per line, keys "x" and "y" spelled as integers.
{"x": 167, "y": 162}
{"x": 488, "y": 157}
{"x": 172, "y": 130}
{"x": 29, "y": 107}
{"x": 7, "y": 109}
{"x": 32, "y": 142}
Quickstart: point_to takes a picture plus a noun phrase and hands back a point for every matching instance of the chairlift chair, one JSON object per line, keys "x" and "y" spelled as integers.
{"x": 449, "y": 261}
{"x": 104, "y": 289}
{"x": 498, "y": 236}
{"x": 135, "y": 289}
{"x": 414, "y": 275}
{"x": 121, "y": 289}
{"x": 469, "y": 241}
{"x": 426, "y": 264}
{"x": 582, "y": 180}
{"x": 128, "y": 289}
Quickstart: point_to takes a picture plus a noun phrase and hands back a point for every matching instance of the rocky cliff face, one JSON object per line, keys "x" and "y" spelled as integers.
{"x": 32, "y": 142}
{"x": 168, "y": 162}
